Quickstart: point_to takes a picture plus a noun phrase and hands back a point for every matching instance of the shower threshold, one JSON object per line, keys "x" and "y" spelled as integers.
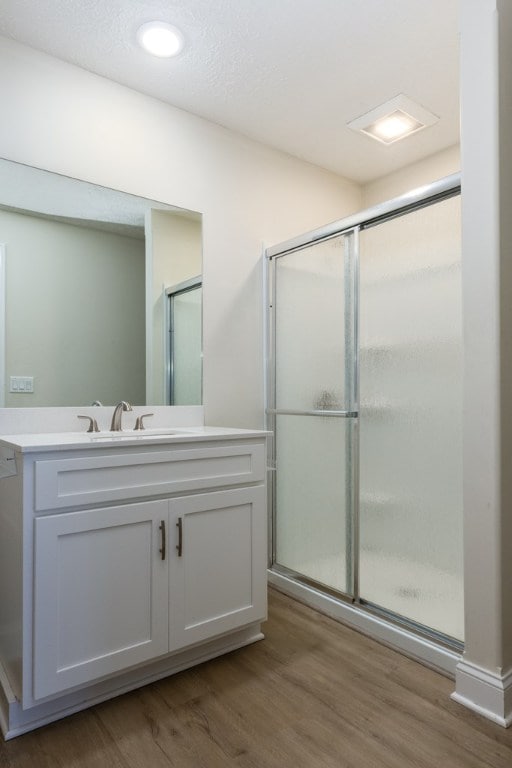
{"x": 433, "y": 649}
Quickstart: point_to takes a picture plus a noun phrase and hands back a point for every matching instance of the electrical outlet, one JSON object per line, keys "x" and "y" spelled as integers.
{"x": 21, "y": 384}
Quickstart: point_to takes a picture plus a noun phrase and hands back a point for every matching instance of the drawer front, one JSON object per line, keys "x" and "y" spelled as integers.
{"x": 98, "y": 479}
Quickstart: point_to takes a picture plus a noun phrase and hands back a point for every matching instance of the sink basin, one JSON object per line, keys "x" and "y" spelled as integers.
{"x": 131, "y": 434}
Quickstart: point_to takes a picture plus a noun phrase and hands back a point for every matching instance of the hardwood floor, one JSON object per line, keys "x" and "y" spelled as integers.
{"x": 313, "y": 693}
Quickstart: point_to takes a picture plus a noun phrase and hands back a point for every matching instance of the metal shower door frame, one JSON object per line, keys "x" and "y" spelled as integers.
{"x": 350, "y": 413}
{"x": 350, "y": 227}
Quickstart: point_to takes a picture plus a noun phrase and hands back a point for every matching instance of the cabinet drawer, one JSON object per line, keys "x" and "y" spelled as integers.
{"x": 98, "y": 479}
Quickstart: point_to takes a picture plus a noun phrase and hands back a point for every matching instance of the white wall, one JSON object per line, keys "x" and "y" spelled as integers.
{"x": 484, "y": 678}
{"x": 67, "y": 324}
{"x": 64, "y": 119}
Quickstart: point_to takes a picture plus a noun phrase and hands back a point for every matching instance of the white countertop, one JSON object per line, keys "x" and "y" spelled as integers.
{"x": 55, "y": 441}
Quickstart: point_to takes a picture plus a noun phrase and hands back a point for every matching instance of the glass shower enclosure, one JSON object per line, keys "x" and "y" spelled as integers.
{"x": 365, "y": 403}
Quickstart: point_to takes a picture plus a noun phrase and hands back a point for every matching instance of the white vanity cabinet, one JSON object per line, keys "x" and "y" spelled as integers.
{"x": 100, "y": 594}
{"x": 138, "y": 561}
{"x": 217, "y": 584}
{"x": 112, "y": 590}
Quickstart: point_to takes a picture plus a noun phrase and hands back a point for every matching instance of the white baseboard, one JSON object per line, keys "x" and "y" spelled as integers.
{"x": 487, "y": 693}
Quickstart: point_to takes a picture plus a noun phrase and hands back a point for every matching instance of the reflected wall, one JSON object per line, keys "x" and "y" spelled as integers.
{"x": 74, "y": 312}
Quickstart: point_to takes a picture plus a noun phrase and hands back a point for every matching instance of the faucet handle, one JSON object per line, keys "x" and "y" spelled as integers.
{"x": 93, "y": 424}
{"x": 139, "y": 421}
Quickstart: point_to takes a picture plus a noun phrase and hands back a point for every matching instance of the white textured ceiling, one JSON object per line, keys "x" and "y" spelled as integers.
{"x": 288, "y": 73}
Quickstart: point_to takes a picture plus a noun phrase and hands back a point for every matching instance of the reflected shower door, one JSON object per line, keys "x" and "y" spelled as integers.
{"x": 185, "y": 339}
{"x": 314, "y": 393}
{"x": 411, "y": 417}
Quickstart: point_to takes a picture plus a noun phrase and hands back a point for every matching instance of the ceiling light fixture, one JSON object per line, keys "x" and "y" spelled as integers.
{"x": 392, "y": 127}
{"x": 160, "y": 39}
{"x": 394, "y": 120}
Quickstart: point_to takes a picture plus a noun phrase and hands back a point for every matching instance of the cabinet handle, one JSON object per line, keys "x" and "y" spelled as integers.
{"x": 162, "y": 531}
{"x": 179, "y": 545}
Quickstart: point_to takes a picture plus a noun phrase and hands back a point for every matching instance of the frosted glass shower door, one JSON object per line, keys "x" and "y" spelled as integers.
{"x": 313, "y": 321}
{"x": 411, "y": 417}
{"x": 185, "y": 341}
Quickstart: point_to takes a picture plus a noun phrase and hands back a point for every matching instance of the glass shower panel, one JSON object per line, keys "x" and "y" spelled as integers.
{"x": 310, "y": 323}
{"x": 311, "y": 493}
{"x": 411, "y": 417}
{"x": 313, "y": 320}
{"x": 186, "y": 347}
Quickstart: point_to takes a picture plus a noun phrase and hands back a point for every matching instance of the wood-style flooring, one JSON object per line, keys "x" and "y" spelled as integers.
{"x": 313, "y": 693}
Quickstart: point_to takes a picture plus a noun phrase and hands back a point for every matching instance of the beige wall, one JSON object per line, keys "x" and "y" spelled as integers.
{"x": 411, "y": 177}
{"x": 67, "y": 324}
{"x": 66, "y": 120}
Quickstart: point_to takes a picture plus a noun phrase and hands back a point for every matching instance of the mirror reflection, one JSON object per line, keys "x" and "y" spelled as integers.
{"x": 87, "y": 274}
{"x": 185, "y": 341}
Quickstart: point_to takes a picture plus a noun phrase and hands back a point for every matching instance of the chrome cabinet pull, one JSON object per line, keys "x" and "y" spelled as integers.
{"x": 179, "y": 545}
{"x": 162, "y": 531}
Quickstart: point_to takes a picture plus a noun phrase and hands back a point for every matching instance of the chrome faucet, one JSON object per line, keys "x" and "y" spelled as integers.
{"x": 118, "y": 412}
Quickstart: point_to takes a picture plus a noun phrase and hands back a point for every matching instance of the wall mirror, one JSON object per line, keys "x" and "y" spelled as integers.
{"x": 85, "y": 272}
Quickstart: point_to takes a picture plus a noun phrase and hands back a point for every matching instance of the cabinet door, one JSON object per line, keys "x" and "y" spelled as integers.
{"x": 101, "y": 594}
{"x": 218, "y": 580}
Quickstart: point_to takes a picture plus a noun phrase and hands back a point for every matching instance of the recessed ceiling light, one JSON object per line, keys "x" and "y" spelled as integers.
{"x": 160, "y": 39}
{"x": 394, "y": 120}
{"x": 390, "y": 128}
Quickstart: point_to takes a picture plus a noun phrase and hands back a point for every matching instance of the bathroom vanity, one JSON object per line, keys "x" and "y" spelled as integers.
{"x": 124, "y": 558}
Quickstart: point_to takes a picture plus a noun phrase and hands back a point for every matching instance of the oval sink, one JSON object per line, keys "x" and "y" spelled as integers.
{"x": 138, "y": 434}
